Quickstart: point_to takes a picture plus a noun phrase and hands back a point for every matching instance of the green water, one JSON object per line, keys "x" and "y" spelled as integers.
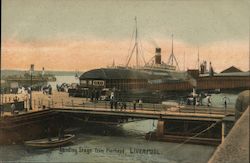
{"x": 125, "y": 144}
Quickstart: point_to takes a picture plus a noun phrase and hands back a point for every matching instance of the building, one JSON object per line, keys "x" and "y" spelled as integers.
{"x": 231, "y": 69}
{"x": 118, "y": 78}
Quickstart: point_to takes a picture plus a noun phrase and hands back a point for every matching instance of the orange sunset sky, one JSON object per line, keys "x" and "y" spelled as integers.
{"x": 81, "y": 35}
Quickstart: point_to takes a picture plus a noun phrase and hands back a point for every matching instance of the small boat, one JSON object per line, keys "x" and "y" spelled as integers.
{"x": 46, "y": 143}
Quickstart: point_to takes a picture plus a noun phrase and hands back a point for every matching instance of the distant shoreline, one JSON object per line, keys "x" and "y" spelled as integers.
{"x": 56, "y": 73}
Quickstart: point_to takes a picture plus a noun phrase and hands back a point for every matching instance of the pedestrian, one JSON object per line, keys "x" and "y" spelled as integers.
{"x": 13, "y": 108}
{"x": 208, "y": 101}
{"x": 97, "y": 95}
{"x": 50, "y": 90}
{"x": 226, "y": 99}
{"x": 111, "y": 102}
{"x": 116, "y": 103}
{"x": 200, "y": 100}
{"x": 225, "y": 103}
{"x": 134, "y": 104}
{"x": 92, "y": 96}
{"x": 57, "y": 87}
{"x": 140, "y": 103}
{"x": 124, "y": 105}
{"x": 194, "y": 100}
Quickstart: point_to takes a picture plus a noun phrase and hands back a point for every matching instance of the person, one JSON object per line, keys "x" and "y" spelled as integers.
{"x": 134, "y": 104}
{"x": 50, "y": 90}
{"x": 124, "y": 105}
{"x": 200, "y": 99}
{"x": 140, "y": 103}
{"x": 13, "y": 108}
{"x": 92, "y": 95}
{"x": 58, "y": 88}
{"x": 208, "y": 101}
{"x": 97, "y": 95}
{"x": 111, "y": 102}
{"x": 225, "y": 103}
{"x": 116, "y": 104}
{"x": 194, "y": 100}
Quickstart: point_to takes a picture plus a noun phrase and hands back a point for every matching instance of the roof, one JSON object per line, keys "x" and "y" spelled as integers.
{"x": 113, "y": 73}
{"x": 231, "y": 69}
{"x": 232, "y": 74}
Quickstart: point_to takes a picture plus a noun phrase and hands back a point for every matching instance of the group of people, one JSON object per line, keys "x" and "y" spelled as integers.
{"x": 95, "y": 95}
{"x": 115, "y": 104}
{"x": 62, "y": 88}
{"x": 139, "y": 101}
{"x": 47, "y": 90}
{"x": 198, "y": 100}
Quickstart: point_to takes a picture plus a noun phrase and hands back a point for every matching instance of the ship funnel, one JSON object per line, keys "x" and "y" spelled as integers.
{"x": 158, "y": 56}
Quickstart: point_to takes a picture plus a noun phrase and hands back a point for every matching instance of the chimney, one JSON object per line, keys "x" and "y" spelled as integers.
{"x": 158, "y": 56}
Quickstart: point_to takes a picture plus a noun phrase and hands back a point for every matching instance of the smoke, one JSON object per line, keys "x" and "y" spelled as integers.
{"x": 153, "y": 42}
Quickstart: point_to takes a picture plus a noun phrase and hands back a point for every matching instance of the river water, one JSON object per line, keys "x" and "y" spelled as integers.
{"x": 124, "y": 143}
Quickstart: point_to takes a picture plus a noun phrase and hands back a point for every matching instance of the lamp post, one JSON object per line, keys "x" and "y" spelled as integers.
{"x": 31, "y": 72}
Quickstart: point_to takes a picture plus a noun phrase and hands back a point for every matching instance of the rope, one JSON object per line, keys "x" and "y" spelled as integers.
{"x": 179, "y": 145}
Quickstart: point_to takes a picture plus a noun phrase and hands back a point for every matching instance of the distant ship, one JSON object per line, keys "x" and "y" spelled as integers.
{"x": 38, "y": 80}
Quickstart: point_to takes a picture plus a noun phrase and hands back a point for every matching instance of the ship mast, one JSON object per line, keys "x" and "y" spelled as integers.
{"x": 184, "y": 69}
{"x": 198, "y": 58}
{"x": 172, "y": 58}
{"x": 172, "y": 52}
{"x": 135, "y": 48}
{"x": 136, "y": 44}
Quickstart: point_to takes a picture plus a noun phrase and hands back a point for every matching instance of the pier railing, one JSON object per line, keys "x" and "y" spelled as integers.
{"x": 57, "y": 102}
{"x": 82, "y": 103}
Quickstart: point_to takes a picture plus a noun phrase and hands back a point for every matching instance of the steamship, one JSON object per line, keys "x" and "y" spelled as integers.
{"x": 131, "y": 82}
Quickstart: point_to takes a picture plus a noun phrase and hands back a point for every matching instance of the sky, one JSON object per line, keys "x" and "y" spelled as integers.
{"x": 86, "y": 34}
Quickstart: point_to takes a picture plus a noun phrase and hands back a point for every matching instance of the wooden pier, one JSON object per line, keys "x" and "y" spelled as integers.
{"x": 180, "y": 122}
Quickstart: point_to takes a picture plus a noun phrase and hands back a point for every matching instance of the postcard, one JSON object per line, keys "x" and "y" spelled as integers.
{"x": 125, "y": 81}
